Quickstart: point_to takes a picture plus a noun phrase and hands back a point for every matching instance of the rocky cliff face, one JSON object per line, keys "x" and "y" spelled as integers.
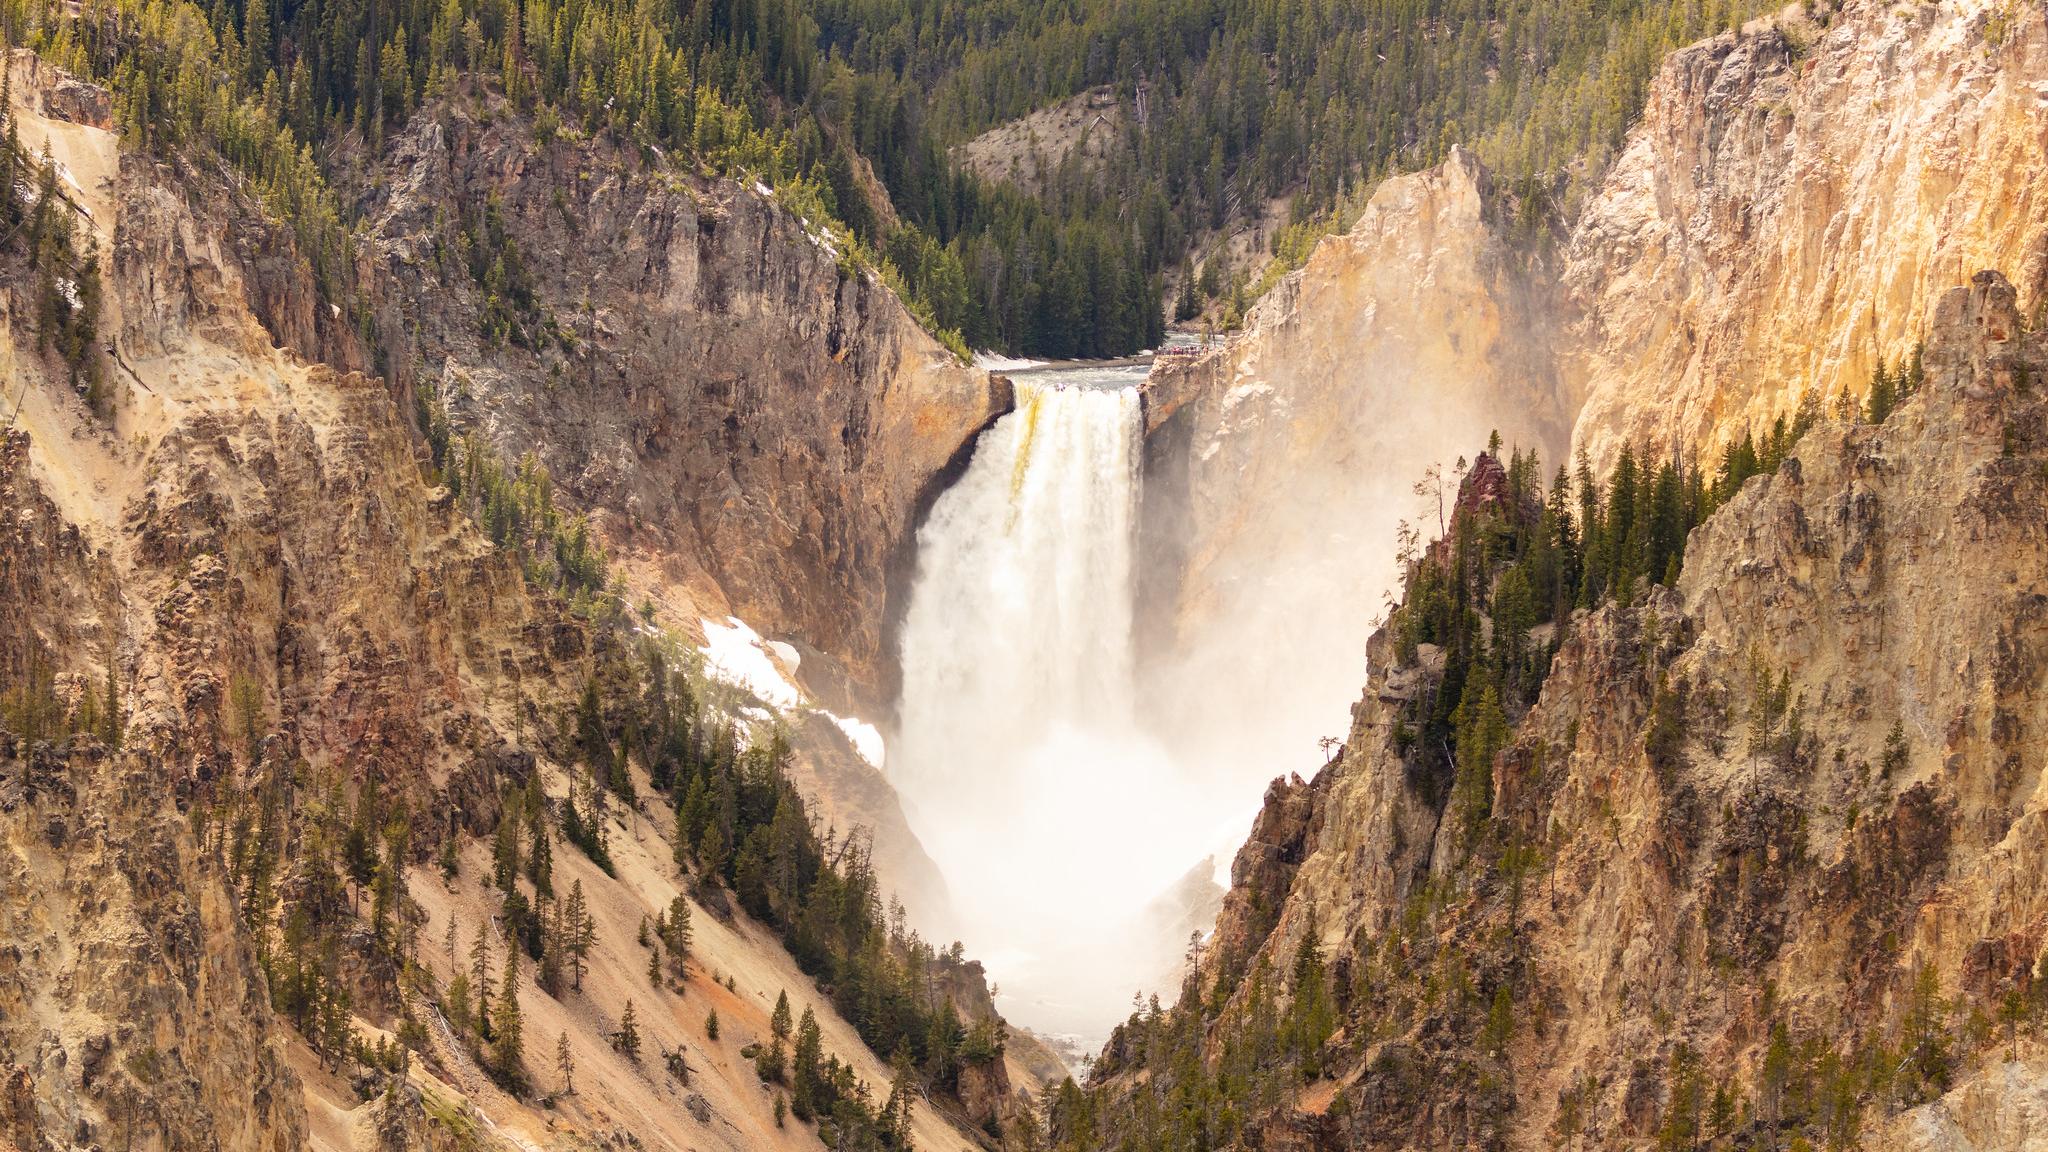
{"x": 1770, "y": 835}
{"x": 232, "y": 607}
{"x": 130, "y": 1007}
{"x": 1279, "y": 465}
{"x": 1791, "y": 203}
{"x": 754, "y": 427}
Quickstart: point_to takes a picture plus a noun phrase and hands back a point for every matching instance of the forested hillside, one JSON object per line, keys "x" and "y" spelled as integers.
{"x": 1234, "y": 104}
{"x": 847, "y": 107}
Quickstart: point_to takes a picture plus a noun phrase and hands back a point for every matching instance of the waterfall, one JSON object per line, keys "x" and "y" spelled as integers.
{"x": 1020, "y": 758}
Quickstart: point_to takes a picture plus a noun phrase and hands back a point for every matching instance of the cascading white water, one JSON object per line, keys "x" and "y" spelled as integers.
{"x": 1053, "y": 817}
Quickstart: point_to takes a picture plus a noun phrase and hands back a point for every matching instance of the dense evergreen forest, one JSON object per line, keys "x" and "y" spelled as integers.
{"x": 1233, "y": 105}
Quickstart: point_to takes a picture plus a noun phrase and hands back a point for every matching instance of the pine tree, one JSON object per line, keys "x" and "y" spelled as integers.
{"x": 685, "y": 832}
{"x": 627, "y": 1040}
{"x": 779, "y": 1020}
{"x": 1500, "y": 1021}
{"x": 480, "y": 976}
{"x": 565, "y": 1064}
{"x": 1926, "y": 1048}
{"x": 809, "y": 1056}
{"x": 505, "y": 852}
{"x": 895, "y": 1117}
{"x": 1482, "y": 732}
{"x": 540, "y": 863}
{"x": 1311, "y": 1014}
{"x": 457, "y": 1001}
{"x": 675, "y": 932}
{"x": 256, "y": 39}
{"x": 506, "y": 1046}
{"x": 552, "y": 949}
{"x": 1884, "y": 393}
{"x": 579, "y": 932}
{"x": 711, "y": 1024}
{"x": 1185, "y": 305}
{"x": 1896, "y": 752}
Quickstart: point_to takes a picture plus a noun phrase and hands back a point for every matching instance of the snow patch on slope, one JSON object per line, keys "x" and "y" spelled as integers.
{"x": 738, "y": 655}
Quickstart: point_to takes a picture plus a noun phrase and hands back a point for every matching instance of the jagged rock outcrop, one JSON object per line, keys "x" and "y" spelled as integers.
{"x": 1792, "y": 202}
{"x": 1799, "y": 791}
{"x": 131, "y": 1006}
{"x": 1278, "y": 465}
{"x": 754, "y": 427}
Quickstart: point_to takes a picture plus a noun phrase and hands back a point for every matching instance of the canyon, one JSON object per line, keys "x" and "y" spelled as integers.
{"x": 392, "y": 584}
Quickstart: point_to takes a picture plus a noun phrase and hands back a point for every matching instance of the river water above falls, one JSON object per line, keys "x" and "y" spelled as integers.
{"x": 1057, "y": 821}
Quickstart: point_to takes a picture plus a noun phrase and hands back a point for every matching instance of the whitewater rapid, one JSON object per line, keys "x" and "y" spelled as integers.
{"x": 1025, "y": 772}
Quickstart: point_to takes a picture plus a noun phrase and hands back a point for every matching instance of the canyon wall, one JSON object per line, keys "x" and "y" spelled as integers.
{"x": 1675, "y": 889}
{"x": 1793, "y": 199}
{"x": 232, "y": 598}
{"x": 753, "y": 425}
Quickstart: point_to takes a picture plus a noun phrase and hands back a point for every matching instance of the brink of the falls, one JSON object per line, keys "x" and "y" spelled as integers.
{"x": 1056, "y": 819}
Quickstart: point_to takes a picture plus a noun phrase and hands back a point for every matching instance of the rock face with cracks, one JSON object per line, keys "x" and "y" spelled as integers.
{"x": 1791, "y": 205}
{"x": 745, "y": 415}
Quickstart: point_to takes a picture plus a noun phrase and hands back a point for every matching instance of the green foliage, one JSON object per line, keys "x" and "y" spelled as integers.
{"x": 511, "y": 309}
{"x": 1664, "y": 739}
{"x": 1513, "y": 558}
{"x": 1896, "y": 751}
{"x": 1927, "y": 1048}
{"x": 741, "y": 824}
{"x": 1684, "y": 1102}
{"x": 283, "y": 829}
{"x": 1312, "y": 1012}
{"x": 675, "y": 933}
{"x": 1890, "y": 384}
{"x": 1500, "y": 1022}
{"x": 1227, "y": 106}
{"x": 33, "y": 711}
{"x": 627, "y": 1039}
{"x": 1751, "y": 456}
{"x": 507, "y": 1039}
{"x": 64, "y": 267}
{"x": 1240, "y": 104}
{"x": 1482, "y": 732}
{"x": 516, "y": 509}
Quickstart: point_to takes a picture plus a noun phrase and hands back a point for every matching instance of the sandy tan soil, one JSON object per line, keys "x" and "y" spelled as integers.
{"x": 612, "y": 1093}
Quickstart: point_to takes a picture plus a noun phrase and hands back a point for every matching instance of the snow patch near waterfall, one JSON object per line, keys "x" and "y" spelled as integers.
{"x": 865, "y": 737}
{"x": 736, "y": 653}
